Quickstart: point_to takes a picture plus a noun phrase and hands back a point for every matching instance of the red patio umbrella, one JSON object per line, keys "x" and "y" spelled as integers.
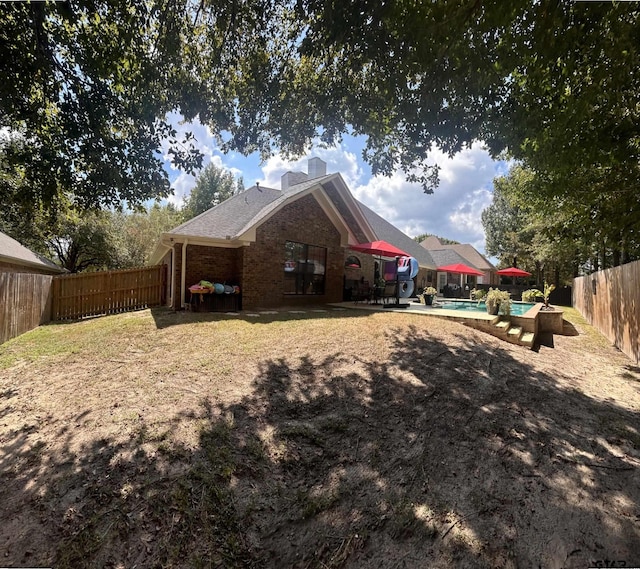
{"x": 461, "y": 269}
{"x": 513, "y": 272}
{"x": 381, "y": 248}
{"x": 384, "y": 249}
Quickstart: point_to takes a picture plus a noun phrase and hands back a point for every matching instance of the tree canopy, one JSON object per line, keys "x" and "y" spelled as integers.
{"x": 560, "y": 236}
{"x": 213, "y": 185}
{"x": 88, "y": 86}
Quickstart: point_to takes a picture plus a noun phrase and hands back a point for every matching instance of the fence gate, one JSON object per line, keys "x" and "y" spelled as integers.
{"x": 107, "y": 292}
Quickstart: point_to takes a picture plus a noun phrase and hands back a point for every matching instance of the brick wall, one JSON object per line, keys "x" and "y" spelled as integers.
{"x": 366, "y": 270}
{"x": 303, "y": 221}
{"x": 214, "y": 264}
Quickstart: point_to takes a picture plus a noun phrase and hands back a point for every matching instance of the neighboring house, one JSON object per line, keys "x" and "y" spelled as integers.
{"x": 282, "y": 247}
{"x": 16, "y": 258}
{"x": 449, "y": 254}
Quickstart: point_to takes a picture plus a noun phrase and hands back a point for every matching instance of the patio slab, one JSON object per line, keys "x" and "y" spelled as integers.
{"x": 415, "y": 307}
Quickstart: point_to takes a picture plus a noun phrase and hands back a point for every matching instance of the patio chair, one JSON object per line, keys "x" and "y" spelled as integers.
{"x": 362, "y": 292}
{"x": 389, "y": 291}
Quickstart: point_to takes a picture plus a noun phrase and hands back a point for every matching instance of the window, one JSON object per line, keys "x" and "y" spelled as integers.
{"x": 352, "y": 262}
{"x": 304, "y": 268}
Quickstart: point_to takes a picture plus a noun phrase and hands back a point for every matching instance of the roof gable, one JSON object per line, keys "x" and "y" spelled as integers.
{"x": 473, "y": 256}
{"x": 431, "y": 242}
{"x": 465, "y": 251}
{"x": 235, "y": 220}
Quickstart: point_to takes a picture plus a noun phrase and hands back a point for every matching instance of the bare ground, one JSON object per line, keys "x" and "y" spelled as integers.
{"x": 317, "y": 439}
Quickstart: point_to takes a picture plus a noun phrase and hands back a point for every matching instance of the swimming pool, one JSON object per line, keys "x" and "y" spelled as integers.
{"x": 517, "y": 308}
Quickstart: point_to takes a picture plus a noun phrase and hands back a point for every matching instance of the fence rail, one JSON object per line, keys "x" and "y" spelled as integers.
{"x": 25, "y": 302}
{"x": 107, "y": 292}
{"x": 610, "y": 301}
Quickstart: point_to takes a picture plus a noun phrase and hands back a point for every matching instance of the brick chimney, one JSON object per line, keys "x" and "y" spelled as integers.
{"x": 291, "y": 179}
{"x": 317, "y": 168}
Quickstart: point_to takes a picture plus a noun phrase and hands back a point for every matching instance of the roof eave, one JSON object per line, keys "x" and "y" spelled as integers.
{"x": 33, "y": 264}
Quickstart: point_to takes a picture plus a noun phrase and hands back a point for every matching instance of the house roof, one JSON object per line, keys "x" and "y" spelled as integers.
{"x": 444, "y": 257}
{"x": 390, "y": 233}
{"x": 229, "y": 217}
{"x": 15, "y": 253}
{"x": 232, "y": 218}
{"x": 431, "y": 242}
{"x": 473, "y": 256}
{"x": 468, "y": 253}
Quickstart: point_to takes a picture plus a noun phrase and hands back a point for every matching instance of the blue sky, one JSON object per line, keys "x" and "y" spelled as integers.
{"x": 453, "y": 211}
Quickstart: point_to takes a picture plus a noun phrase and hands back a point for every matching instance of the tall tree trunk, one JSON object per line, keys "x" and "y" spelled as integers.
{"x": 616, "y": 257}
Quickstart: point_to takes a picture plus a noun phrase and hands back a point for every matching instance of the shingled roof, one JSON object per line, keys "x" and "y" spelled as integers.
{"x": 11, "y": 251}
{"x": 391, "y": 234}
{"x": 229, "y": 217}
{"x": 445, "y": 257}
{"x": 464, "y": 253}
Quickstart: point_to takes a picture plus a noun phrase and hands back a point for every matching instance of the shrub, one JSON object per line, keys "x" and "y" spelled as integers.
{"x": 478, "y": 293}
{"x": 531, "y": 295}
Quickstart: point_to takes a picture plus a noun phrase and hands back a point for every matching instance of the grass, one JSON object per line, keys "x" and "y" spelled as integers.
{"x": 301, "y": 440}
{"x": 591, "y": 335}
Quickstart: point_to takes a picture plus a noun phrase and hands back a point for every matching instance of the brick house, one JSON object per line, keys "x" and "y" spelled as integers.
{"x": 282, "y": 247}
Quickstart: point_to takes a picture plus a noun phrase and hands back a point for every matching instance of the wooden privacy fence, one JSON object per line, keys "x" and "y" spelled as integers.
{"x": 610, "y": 301}
{"x": 107, "y": 292}
{"x": 25, "y": 302}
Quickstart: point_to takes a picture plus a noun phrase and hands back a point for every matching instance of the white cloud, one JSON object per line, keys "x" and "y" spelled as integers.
{"x": 338, "y": 159}
{"x": 453, "y": 210}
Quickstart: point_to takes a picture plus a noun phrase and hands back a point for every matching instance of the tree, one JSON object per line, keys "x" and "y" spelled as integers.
{"x": 555, "y": 235}
{"x": 83, "y": 242}
{"x": 134, "y": 234}
{"x": 86, "y": 90}
{"x": 213, "y": 185}
{"x": 88, "y": 86}
{"x": 506, "y": 225}
{"x": 554, "y": 83}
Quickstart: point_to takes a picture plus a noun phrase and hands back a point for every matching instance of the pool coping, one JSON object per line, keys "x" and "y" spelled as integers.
{"x": 530, "y": 323}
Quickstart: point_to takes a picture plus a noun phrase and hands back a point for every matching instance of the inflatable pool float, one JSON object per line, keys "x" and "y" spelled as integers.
{"x": 405, "y": 289}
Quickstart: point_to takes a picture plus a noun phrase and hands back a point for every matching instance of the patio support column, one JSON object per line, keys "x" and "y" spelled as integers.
{"x": 172, "y": 276}
{"x": 183, "y": 276}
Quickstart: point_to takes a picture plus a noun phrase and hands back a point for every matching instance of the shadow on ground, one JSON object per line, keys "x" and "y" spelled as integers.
{"x": 441, "y": 457}
{"x": 165, "y": 318}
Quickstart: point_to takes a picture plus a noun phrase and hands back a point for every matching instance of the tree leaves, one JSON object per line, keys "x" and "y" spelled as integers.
{"x": 213, "y": 186}
{"x": 89, "y": 85}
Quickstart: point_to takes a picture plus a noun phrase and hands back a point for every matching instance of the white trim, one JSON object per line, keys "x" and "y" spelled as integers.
{"x": 183, "y": 277}
{"x": 172, "y": 268}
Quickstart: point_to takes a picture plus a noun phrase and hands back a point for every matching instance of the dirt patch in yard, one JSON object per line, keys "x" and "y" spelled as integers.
{"x": 315, "y": 439}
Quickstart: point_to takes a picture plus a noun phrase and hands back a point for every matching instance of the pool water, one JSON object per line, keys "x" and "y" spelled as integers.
{"x": 517, "y": 308}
